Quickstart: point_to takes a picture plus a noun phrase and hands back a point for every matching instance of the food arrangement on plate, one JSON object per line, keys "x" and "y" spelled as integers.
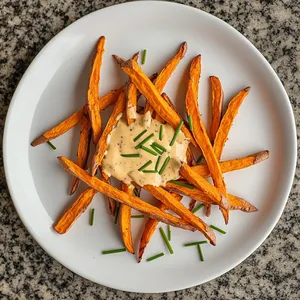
{"x": 152, "y": 147}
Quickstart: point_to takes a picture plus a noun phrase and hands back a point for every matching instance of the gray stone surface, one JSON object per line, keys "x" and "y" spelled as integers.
{"x": 27, "y": 272}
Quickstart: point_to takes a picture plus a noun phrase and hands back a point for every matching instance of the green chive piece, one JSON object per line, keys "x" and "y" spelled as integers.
{"x": 117, "y": 214}
{"x": 148, "y": 163}
{"x": 190, "y": 122}
{"x": 199, "y": 159}
{"x": 149, "y": 171}
{"x": 144, "y": 56}
{"x": 164, "y": 165}
{"x": 136, "y": 192}
{"x": 139, "y": 135}
{"x": 157, "y": 163}
{"x": 131, "y": 155}
{"x": 161, "y": 132}
{"x": 51, "y": 145}
{"x": 195, "y": 243}
{"x": 156, "y": 149}
{"x": 159, "y": 146}
{"x": 200, "y": 252}
{"x": 197, "y": 208}
{"x": 137, "y": 216}
{"x": 149, "y": 150}
{"x": 92, "y": 217}
{"x": 176, "y": 133}
{"x": 217, "y": 229}
{"x": 113, "y": 251}
{"x": 166, "y": 240}
{"x": 182, "y": 184}
{"x": 155, "y": 256}
{"x": 169, "y": 232}
{"x": 144, "y": 141}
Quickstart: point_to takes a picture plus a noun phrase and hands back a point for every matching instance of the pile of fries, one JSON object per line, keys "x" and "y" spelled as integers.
{"x": 192, "y": 183}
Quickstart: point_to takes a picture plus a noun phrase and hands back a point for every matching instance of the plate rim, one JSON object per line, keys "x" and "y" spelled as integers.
{"x": 267, "y": 65}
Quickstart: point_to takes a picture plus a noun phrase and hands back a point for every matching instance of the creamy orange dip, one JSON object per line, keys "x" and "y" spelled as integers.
{"x": 121, "y": 143}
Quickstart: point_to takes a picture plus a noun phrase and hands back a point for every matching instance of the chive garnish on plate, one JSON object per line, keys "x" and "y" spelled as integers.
{"x": 182, "y": 184}
{"x": 144, "y": 56}
{"x": 195, "y": 243}
{"x": 117, "y": 214}
{"x": 217, "y": 229}
{"x": 159, "y": 146}
{"x": 199, "y": 159}
{"x": 157, "y": 163}
{"x": 137, "y": 216}
{"x": 155, "y": 256}
{"x": 148, "y": 163}
{"x": 169, "y": 232}
{"x": 149, "y": 171}
{"x": 136, "y": 192}
{"x": 51, "y": 145}
{"x": 164, "y": 165}
{"x": 114, "y": 251}
{"x": 200, "y": 252}
{"x": 92, "y": 217}
{"x": 166, "y": 240}
{"x": 161, "y": 132}
{"x": 149, "y": 150}
{"x": 139, "y": 135}
{"x": 197, "y": 208}
{"x": 156, "y": 149}
{"x": 176, "y": 133}
{"x": 144, "y": 141}
{"x": 190, "y": 122}
{"x": 131, "y": 155}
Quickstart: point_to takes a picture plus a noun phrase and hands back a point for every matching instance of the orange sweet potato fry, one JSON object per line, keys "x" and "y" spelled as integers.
{"x": 171, "y": 202}
{"x": 113, "y": 120}
{"x": 111, "y": 202}
{"x": 146, "y": 87}
{"x": 217, "y": 98}
{"x": 227, "y": 121}
{"x": 125, "y": 221}
{"x": 83, "y": 149}
{"x": 122, "y": 197}
{"x": 199, "y": 131}
{"x": 93, "y": 91}
{"x": 72, "y": 214}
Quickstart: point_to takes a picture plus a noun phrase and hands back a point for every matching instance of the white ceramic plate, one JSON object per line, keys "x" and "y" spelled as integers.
{"x": 55, "y": 85}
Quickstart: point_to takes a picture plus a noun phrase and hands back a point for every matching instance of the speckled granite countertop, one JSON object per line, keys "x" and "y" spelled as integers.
{"x": 27, "y": 272}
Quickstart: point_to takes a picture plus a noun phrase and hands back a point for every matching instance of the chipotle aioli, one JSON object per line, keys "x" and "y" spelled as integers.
{"x": 121, "y": 141}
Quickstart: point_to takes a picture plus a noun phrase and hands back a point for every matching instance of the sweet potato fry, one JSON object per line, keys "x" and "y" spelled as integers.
{"x": 227, "y": 121}
{"x": 167, "y": 198}
{"x": 199, "y": 132}
{"x": 113, "y": 120}
{"x": 83, "y": 149}
{"x": 125, "y": 221}
{"x": 192, "y": 204}
{"x": 93, "y": 91}
{"x": 73, "y": 213}
{"x": 122, "y": 197}
{"x": 111, "y": 202}
{"x": 145, "y": 86}
{"x": 217, "y": 98}
{"x": 207, "y": 210}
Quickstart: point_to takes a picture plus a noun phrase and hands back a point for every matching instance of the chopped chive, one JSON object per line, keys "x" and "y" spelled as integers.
{"x": 149, "y": 171}
{"x": 195, "y": 243}
{"x": 144, "y": 141}
{"x": 117, "y": 214}
{"x": 199, "y": 159}
{"x": 155, "y": 256}
{"x": 200, "y": 252}
{"x": 169, "y": 232}
{"x": 164, "y": 165}
{"x": 148, "y": 163}
{"x": 161, "y": 132}
{"x": 217, "y": 229}
{"x": 131, "y": 155}
{"x": 139, "y": 135}
{"x": 92, "y": 217}
{"x": 113, "y": 251}
{"x": 176, "y": 133}
{"x": 157, "y": 163}
{"x": 182, "y": 184}
{"x": 156, "y": 149}
{"x": 166, "y": 240}
{"x": 51, "y": 145}
{"x": 137, "y": 216}
{"x": 190, "y": 122}
{"x": 149, "y": 150}
{"x": 159, "y": 146}
{"x": 197, "y": 208}
{"x": 136, "y": 192}
{"x": 144, "y": 56}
